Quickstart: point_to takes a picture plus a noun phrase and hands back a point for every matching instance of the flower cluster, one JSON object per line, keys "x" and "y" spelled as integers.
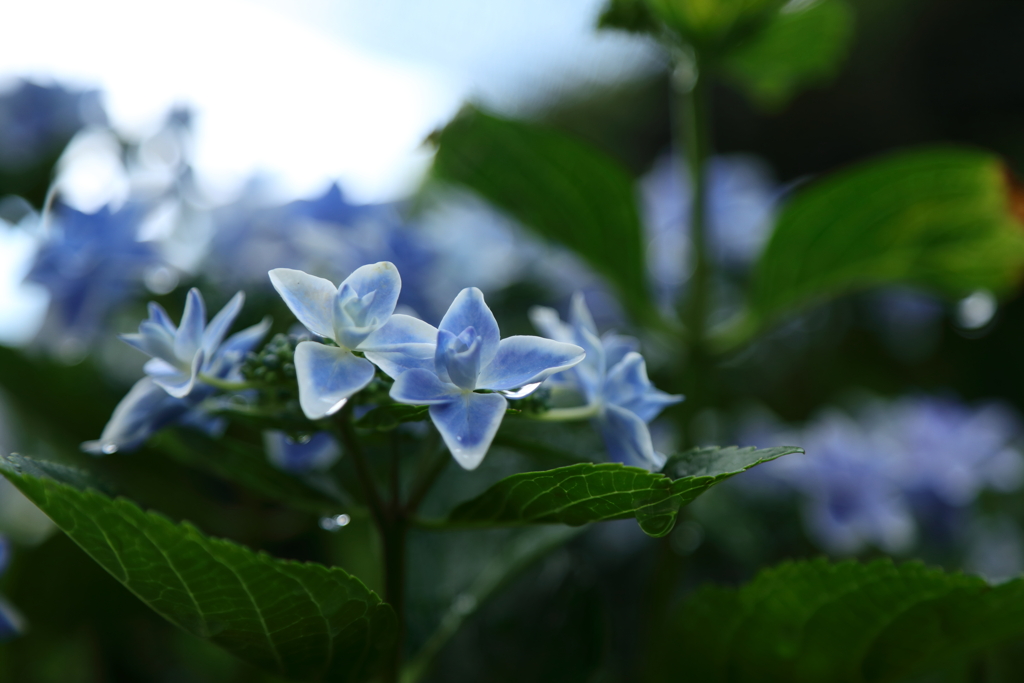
{"x": 894, "y": 469}
{"x": 459, "y": 369}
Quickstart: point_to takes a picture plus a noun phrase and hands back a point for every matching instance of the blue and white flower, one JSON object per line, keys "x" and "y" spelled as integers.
{"x": 181, "y": 354}
{"x": 150, "y": 406}
{"x": 357, "y": 316}
{"x": 470, "y": 356}
{"x": 612, "y": 381}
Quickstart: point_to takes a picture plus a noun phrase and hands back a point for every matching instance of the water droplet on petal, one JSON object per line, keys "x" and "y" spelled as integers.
{"x": 109, "y": 448}
{"x": 521, "y": 392}
{"x": 337, "y": 406}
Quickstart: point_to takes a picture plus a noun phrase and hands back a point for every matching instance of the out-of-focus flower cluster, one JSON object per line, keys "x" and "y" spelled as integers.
{"x": 892, "y": 472}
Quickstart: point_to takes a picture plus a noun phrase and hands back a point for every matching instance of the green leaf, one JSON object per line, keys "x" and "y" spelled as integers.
{"x": 632, "y": 16}
{"x": 301, "y": 621}
{"x": 815, "y": 621}
{"x": 794, "y": 50}
{"x": 713, "y": 26}
{"x": 560, "y": 187}
{"x": 938, "y": 218}
{"x": 587, "y": 492}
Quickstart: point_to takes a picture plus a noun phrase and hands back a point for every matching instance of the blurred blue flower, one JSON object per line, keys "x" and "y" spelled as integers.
{"x": 37, "y": 121}
{"x": 179, "y": 355}
{"x": 357, "y": 316}
{"x": 613, "y": 382}
{"x": 317, "y": 453}
{"x": 896, "y": 468}
{"x": 470, "y": 355}
{"x": 11, "y": 623}
{"x": 90, "y": 264}
{"x": 148, "y": 407}
{"x": 740, "y": 211}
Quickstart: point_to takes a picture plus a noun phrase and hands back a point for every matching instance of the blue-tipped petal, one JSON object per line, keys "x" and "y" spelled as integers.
{"x": 189, "y": 337}
{"x": 628, "y": 386}
{"x": 179, "y": 385}
{"x": 469, "y": 310}
{"x": 591, "y": 373}
{"x": 524, "y": 360}
{"x": 468, "y": 425}
{"x": 220, "y": 324}
{"x": 327, "y": 377}
{"x": 310, "y": 298}
{"x": 145, "y": 409}
{"x": 403, "y": 343}
{"x": 158, "y": 315}
{"x": 12, "y": 624}
{"x": 158, "y": 367}
{"x": 423, "y": 388}
{"x": 628, "y": 440}
{"x": 383, "y": 280}
{"x": 233, "y": 350}
{"x": 616, "y": 346}
{"x": 457, "y": 358}
{"x": 153, "y": 339}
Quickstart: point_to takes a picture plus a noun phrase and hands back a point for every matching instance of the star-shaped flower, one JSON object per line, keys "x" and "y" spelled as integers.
{"x": 613, "y": 382}
{"x": 470, "y": 356}
{"x": 181, "y": 354}
{"x": 357, "y": 316}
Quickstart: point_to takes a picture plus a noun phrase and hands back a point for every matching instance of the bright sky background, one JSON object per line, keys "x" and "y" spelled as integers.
{"x": 303, "y": 91}
{"x": 314, "y": 90}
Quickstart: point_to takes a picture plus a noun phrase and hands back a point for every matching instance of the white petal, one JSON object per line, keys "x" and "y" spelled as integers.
{"x": 310, "y": 298}
{"x": 220, "y": 324}
{"x": 422, "y": 388}
{"x": 403, "y": 343}
{"x": 470, "y": 310}
{"x": 180, "y": 384}
{"x": 189, "y": 337}
{"x": 327, "y": 376}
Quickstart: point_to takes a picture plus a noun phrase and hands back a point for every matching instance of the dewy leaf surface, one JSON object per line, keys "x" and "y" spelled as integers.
{"x": 301, "y": 621}
{"x": 847, "y": 622}
{"x": 939, "y": 218}
{"x": 588, "y": 492}
{"x": 558, "y": 186}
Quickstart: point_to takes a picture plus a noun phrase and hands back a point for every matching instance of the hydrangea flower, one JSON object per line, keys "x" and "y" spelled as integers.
{"x": 613, "y": 383}
{"x": 36, "y": 121}
{"x": 470, "y": 356}
{"x": 11, "y": 623}
{"x": 357, "y": 316}
{"x": 92, "y": 263}
{"x": 894, "y": 468}
{"x": 149, "y": 407}
{"x": 319, "y": 452}
{"x": 181, "y": 354}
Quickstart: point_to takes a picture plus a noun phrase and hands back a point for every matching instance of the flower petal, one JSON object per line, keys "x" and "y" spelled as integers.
{"x": 422, "y": 388}
{"x": 233, "y": 350}
{"x": 382, "y": 279}
{"x": 523, "y": 360}
{"x": 327, "y": 376}
{"x": 158, "y": 315}
{"x": 628, "y": 386}
{"x": 579, "y": 314}
{"x": 189, "y": 337}
{"x": 403, "y": 343}
{"x": 12, "y": 624}
{"x": 470, "y": 310}
{"x": 468, "y": 425}
{"x": 145, "y": 409}
{"x": 310, "y": 298}
{"x": 628, "y": 440}
{"x": 179, "y": 384}
{"x": 548, "y": 323}
{"x": 220, "y": 324}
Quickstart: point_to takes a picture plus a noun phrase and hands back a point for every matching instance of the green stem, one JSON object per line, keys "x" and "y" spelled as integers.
{"x": 225, "y": 385}
{"x": 696, "y": 137}
{"x": 566, "y": 414}
{"x": 438, "y": 460}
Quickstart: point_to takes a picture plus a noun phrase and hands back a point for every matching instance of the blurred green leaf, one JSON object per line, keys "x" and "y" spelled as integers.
{"x": 712, "y": 26}
{"x": 587, "y": 492}
{"x": 560, "y": 187}
{"x": 386, "y": 417}
{"x": 633, "y": 16}
{"x": 815, "y": 621}
{"x": 939, "y": 218}
{"x": 794, "y": 50}
{"x": 302, "y": 621}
